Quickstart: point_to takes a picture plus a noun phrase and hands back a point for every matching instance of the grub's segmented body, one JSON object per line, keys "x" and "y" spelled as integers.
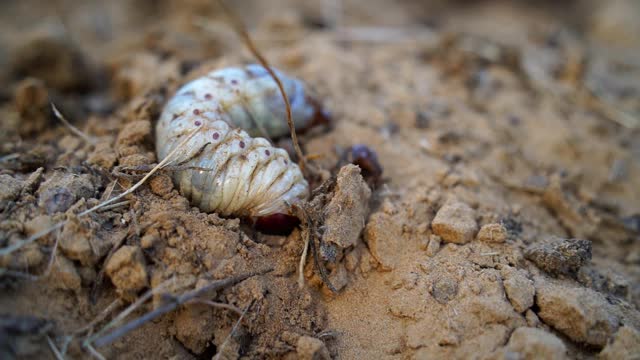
{"x": 237, "y": 175}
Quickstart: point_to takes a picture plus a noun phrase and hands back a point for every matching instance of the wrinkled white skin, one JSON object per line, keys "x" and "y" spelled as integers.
{"x": 249, "y": 99}
{"x": 245, "y": 176}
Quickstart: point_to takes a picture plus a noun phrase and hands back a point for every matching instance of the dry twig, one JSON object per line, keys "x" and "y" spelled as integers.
{"x": 186, "y": 297}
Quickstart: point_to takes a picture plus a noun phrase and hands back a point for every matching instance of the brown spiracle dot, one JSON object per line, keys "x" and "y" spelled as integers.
{"x": 197, "y": 123}
{"x": 241, "y": 144}
{"x": 267, "y": 152}
{"x": 196, "y": 111}
{"x": 234, "y": 82}
{"x": 208, "y": 96}
{"x": 216, "y": 135}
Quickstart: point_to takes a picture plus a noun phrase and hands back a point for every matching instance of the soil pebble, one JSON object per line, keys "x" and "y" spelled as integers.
{"x": 30, "y": 95}
{"x": 161, "y": 185}
{"x": 532, "y": 319}
{"x": 569, "y": 209}
{"x": 38, "y": 224}
{"x": 149, "y": 240}
{"x": 134, "y": 132}
{"x": 444, "y": 289}
{"x": 192, "y": 324}
{"x": 31, "y": 101}
{"x": 29, "y": 256}
{"x": 492, "y": 233}
{"x": 127, "y": 270}
{"x": 61, "y": 190}
{"x": 310, "y": 348}
{"x": 519, "y": 288}
{"x": 528, "y": 343}
{"x": 352, "y": 258}
{"x": 607, "y": 281}
{"x": 580, "y": 313}
{"x": 348, "y": 209}
{"x": 33, "y": 181}
{"x": 9, "y": 190}
{"x": 339, "y": 277}
{"x": 560, "y": 256}
{"x": 130, "y": 144}
{"x": 64, "y": 274}
{"x": 625, "y": 345}
{"x": 30, "y": 159}
{"x": 383, "y": 236}
{"x": 131, "y": 74}
{"x": 103, "y": 155}
{"x": 434, "y": 245}
{"x": 455, "y": 222}
{"x": 87, "y": 275}
{"x": 74, "y": 242}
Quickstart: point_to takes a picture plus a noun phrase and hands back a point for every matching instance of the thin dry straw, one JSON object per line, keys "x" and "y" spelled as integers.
{"x": 233, "y": 330}
{"x": 73, "y": 129}
{"x": 58, "y": 355}
{"x": 254, "y": 50}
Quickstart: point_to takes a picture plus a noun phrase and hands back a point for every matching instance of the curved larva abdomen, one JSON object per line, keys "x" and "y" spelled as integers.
{"x": 241, "y": 175}
{"x": 249, "y": 99}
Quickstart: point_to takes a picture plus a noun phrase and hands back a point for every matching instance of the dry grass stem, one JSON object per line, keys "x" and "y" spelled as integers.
{"x": 244, "y": 34}
{"x": 94, "y": 352}
{"x": 303, "y": 258}
{"x": 73, "y": 129}
{"x": 217, "y": 305}
{"x": 58, "y": 355}
{"x": 103, "y": 314}
{"x": 233, "y": 330}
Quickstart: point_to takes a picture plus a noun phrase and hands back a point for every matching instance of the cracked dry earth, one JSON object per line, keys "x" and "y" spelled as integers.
{"x": 505, "y": 226}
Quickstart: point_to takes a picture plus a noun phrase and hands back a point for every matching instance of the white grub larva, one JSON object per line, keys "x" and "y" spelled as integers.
{"x": 232, "y": 172}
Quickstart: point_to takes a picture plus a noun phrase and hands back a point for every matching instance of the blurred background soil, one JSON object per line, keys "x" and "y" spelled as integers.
{"x": 506, "y": 226}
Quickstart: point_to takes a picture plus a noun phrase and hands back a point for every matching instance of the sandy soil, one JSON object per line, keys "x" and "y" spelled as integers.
{"x": 506, "y": 224}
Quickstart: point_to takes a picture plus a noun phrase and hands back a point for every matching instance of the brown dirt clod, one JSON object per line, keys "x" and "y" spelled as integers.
{"x": 455, "y": 222}
{"x": 127, "y": 270}
{"x": 492, "y": 233}
{"x": 560, "y": 256}
{"x": 582, "y": 314}
{"x": 309, "y": 348}
{"x": 347, "y": 211}
{"x": 9, "y": 190}
{"x": 531, "y": 343}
